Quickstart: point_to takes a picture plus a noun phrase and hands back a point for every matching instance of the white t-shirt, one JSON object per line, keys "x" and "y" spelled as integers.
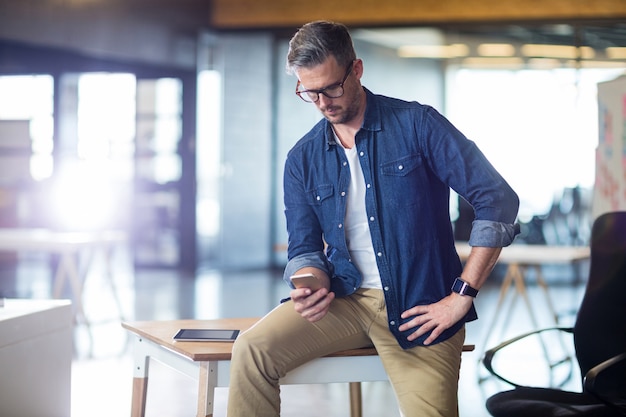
{"x": 356, "y": 225}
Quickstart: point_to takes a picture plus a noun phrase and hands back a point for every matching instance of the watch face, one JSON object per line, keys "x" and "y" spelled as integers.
{"x": 463, "y": 288}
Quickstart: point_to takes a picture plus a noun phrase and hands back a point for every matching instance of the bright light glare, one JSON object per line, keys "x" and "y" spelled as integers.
{"x": 30, "y": 96}
{"x": 106, "y": 113}
{"x": 83, "y": 199}
{"x": 88, "y": 192}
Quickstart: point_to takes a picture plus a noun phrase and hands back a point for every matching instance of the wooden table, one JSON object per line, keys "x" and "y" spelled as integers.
{"x": 209, "y": 362}
{"x": 519, "y": 259}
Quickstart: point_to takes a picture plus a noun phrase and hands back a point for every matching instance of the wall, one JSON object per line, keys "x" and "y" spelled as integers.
{"x": 150, "y": 31}
{"x": 245, "y": 62}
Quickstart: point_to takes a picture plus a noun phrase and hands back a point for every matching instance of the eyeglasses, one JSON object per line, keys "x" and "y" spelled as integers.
{"x": 332, "y": 91}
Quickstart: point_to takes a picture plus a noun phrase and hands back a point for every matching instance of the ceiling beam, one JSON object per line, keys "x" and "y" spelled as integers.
{"x": 254, "y": 14}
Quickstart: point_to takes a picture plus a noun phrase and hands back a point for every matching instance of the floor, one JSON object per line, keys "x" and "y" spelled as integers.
{"x": 102, "y": 369}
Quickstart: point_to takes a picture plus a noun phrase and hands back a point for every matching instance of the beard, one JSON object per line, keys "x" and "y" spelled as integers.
{"x": 343, "y": 114}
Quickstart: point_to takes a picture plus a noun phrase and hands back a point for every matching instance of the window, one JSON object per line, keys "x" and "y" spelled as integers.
{"x": 539, "y": 128}
{"x": 26, "y": 126}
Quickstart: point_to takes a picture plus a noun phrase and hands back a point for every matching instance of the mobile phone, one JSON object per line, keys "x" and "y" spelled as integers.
{"x": 306, "y": 281}
{"x": 206, "y": 335}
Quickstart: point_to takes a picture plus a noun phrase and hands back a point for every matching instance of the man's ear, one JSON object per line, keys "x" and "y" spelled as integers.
{"x": 357, "y": 68}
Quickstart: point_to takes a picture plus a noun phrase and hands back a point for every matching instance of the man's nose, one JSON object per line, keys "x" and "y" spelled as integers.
{"x": 323, "y": 100}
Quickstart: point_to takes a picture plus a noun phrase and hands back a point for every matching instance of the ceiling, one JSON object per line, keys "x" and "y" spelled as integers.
{"x": 588, "y": 35}
{"x": 596, "y": 36}
{"x": 122, "y": 26}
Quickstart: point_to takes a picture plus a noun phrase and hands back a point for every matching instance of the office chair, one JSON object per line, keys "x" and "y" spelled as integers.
{"x": 599, "y": 336}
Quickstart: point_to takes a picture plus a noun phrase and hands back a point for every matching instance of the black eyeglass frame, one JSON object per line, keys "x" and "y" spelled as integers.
{"x": 305, "y": 95}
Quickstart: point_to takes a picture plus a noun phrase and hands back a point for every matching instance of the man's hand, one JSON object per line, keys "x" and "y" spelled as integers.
{"x": 443, "y": 314}
{"x": 436, "y": 317}
{"x": 312, "y": 305}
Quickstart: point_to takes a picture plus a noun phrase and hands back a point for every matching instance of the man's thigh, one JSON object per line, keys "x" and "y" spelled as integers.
{"x": 288, "y": 340}
{"x": 424, "y": 378}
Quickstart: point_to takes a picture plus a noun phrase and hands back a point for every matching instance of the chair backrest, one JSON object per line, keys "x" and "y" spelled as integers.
{"x": 600, "y": 329}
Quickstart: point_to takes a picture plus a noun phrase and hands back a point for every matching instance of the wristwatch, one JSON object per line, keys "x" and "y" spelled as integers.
{"x": 463, "y": 288}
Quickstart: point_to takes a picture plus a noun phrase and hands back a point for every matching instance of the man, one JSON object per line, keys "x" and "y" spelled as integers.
{"x": 367, "y": 207}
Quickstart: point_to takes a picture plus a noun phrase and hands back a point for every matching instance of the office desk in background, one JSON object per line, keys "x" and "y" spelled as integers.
{"x": 74, "y": 249}
{"x": 519, "y": 260}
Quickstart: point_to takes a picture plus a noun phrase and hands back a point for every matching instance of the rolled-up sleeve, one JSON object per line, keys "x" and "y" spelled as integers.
{"x": 312, "y": 259}
{"x": 492, "y": 234}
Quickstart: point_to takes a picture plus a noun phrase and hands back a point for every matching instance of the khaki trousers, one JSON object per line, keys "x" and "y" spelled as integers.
{"x": 424, "y": 379}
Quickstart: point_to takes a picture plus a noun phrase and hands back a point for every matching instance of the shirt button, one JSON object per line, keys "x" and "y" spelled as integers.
{"x": 372, "y": 218}
{"x": 386, "y": 288}
{"x": 362, "y": 153}
{"x": 379, "y": 254}
{"x": 343, "y": 193}
{"x": 345, "y": 163}
{"x": 369, "y": 185}
{"x": 393, "y": 323}
{"x": 400, "y": 167}
{"x": 318, "y": 198}
{"x": 340, "y": 225}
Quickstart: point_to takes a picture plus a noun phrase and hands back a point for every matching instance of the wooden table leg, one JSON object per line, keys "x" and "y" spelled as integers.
{"x": 507, "y": 282}
{"x": 140, "y": 378}
{"x": 206, "y": 389}
{"x": 356, "y": 400}
{"x": 140, "y": 389}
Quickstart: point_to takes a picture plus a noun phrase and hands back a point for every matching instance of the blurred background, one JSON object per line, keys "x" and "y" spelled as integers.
{"x": 168, "y": 121}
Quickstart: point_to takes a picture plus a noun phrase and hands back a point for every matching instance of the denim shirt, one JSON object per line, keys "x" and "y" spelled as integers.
{"x": 411, "y": 156}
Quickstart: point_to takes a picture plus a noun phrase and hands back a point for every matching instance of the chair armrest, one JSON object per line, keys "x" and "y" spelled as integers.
{"x": 590, "y": 379}
{"x": 490, "y": 353}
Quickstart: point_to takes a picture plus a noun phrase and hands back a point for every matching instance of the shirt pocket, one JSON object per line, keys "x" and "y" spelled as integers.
{"x": 401, "y": 167}
{"x": 401, "y": 181}
{"x": 319, "y": 194}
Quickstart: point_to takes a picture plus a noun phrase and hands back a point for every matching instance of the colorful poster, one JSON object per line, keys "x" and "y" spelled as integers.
{"x": 610, "y": 183}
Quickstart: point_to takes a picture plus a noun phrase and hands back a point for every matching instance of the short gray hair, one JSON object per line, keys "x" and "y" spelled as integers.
{"x": 314, "y": 42}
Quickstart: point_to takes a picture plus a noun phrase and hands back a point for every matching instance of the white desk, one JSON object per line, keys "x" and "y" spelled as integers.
{"x": 35, "y": 358}
{"x": 519, "y": 259}
{"x": 69, "y": 246}
{"x": 209, "y": 362}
